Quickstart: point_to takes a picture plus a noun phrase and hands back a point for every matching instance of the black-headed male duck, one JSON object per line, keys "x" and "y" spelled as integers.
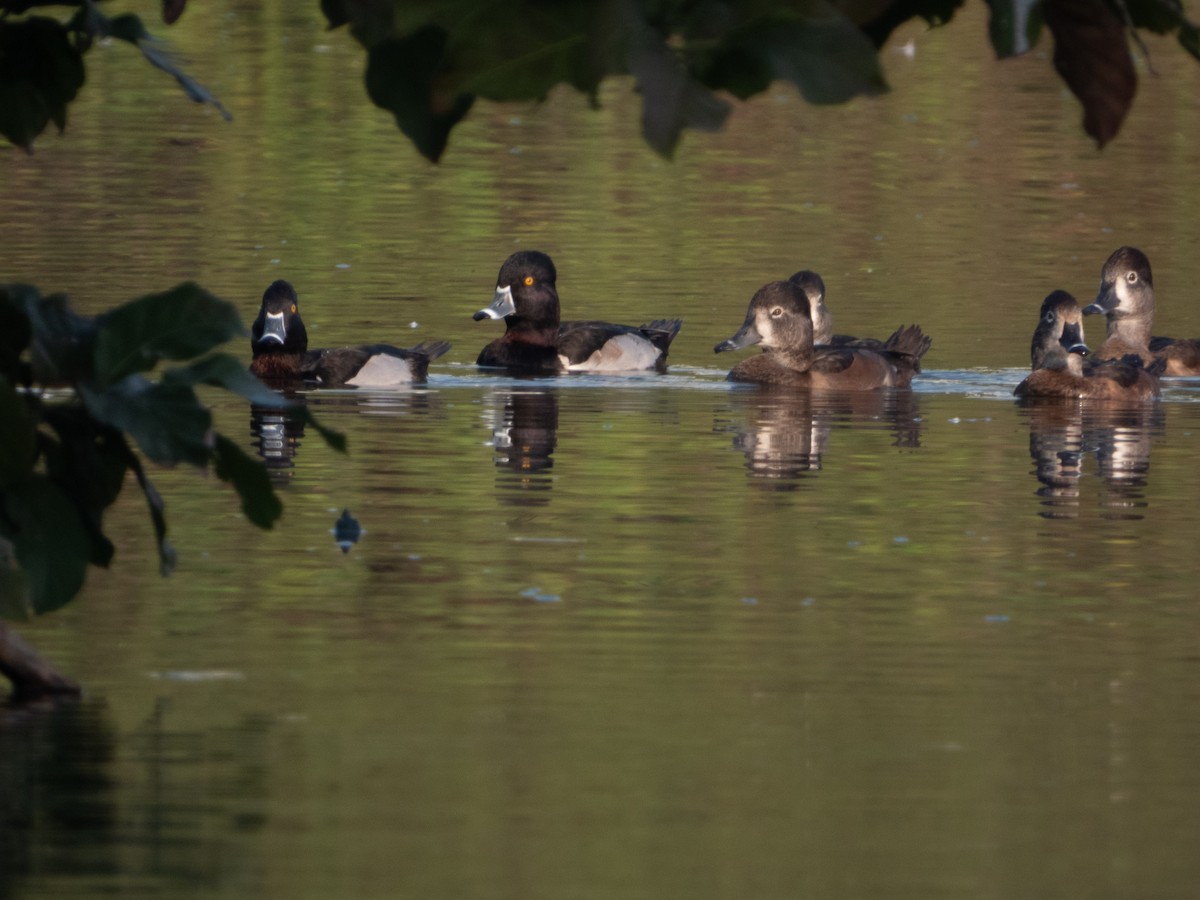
{"x": 279, "y": 343}
{"x": 536, "y": 341}
{"x": 1058, "y": 353}
{"x": 1126, "y": 297}
{"x": 779, "y": 319}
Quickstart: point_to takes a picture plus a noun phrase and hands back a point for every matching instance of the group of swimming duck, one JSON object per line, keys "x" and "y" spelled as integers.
{"x": 788, "y": 319}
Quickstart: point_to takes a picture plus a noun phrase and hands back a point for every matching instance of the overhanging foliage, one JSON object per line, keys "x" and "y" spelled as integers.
{"x": 75, "y": 402}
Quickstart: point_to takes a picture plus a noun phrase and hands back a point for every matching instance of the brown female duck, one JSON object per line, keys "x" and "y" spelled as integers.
{"x": 778, "y": 318}
{"x": 1059, "y": 367}
{"x": 1126, "y": 298}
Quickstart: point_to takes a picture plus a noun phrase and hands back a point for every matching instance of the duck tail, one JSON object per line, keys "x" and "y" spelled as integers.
{"x": 431, "y": 350}
{"x": 909, "y": 341}
{"x": 661, "y": 332}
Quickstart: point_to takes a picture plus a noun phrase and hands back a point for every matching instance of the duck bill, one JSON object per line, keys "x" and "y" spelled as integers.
{"x": 747, "y": 336}
{"x": 502, "y": 305}
{"x": 1106, "y": 301}
{"x": 1072, "y": 339}
{"x": 273, "y": 329}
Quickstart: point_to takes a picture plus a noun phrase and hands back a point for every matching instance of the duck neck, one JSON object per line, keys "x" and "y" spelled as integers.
{"x": 1133, "y": 329}
{"x": 800, "y": 360}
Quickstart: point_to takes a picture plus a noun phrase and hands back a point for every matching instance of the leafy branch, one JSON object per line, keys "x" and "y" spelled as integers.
{"x": 75, "y": 401}
{"x": 41, "y": 61}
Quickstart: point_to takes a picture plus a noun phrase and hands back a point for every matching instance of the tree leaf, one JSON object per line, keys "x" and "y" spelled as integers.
{"x": 166, "y": 553}
{"x": 181, "y": 323}
{"x": 225, "y": 371}
{"x": 402, "y": 78}
{"x": 40, "y": 73}
{"x": 15, "y": 330}
{"x": 18, "y": 437}
{"x": 63, "y": 344}
{"x": 671, "y": 99}
{"x": 50, "y": 542}
{"x": 172, "y": 10}
{"x": 129, "y": 28}
{"x": 1092, "y": 55}
{"x": 15, "y": 599}
{"x": 165, "y": 419}
{"x": 826, "y": 56}
{"x": 88, "y": 461}
{"x": 1189, "y": 38}
{"x": 1014, "y": 26}
{"x": 250, "y": 479}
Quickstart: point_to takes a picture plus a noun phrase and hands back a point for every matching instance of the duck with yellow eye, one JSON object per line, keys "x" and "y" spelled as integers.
{"x": 279, "y": 344}
{"x": 536, "y": 341}
{"x": 778, "y": 319}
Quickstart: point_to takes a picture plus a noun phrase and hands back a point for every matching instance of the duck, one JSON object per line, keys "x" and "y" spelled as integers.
{"x": 279, "y": 344}
{"x": 778, "y": 318}
{"x": 1061, "y": 366}
{"x": 814, "y": 289}
{"x": 535, "y": 341}
{"x": 1126, "y": 298}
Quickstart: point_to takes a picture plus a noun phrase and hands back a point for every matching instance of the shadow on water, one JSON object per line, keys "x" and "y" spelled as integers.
{"x": 79, "y": 803}
{"x": 1062, "y": 434}
{"x": 786, "y": 437}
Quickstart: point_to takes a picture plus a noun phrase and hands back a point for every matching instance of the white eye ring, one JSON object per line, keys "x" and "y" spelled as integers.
{"x": 1050, "y": 317}
{"x": 777, "y": 312}
{"x": 1131, "y": 277}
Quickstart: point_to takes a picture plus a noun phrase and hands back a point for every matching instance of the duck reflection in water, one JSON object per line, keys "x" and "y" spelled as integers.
{"x": 1103, "y": 407}
{"x": 1062, "y": 433}
{"x": 788, "y": 439}
{"x": 277, "y": 433}
{"x": 523, "y": 439}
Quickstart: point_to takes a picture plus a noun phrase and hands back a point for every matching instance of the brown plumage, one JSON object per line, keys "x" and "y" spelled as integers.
{"x": 778, "y": 318}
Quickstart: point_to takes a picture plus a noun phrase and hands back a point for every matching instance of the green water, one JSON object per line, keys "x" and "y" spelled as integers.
{"x": 629, "y": 637}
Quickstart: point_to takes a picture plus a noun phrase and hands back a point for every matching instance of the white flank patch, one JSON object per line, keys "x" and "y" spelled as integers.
{"x": 382, "y": 370}
{"x": 619, "y": 354}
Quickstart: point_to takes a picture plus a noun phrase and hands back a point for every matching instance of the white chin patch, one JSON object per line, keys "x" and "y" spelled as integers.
{"x": 382, "y": 371}
{"x": 624, "y": 353}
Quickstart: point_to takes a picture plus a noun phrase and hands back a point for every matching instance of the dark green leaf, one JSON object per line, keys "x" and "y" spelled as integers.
{"x": 336, "y": 12}
{"x": 88, "y": 462}
{"x": 224, "y": 371}
{"x": 18, "y": 436}
{"x": 181, "y": 323}
{"x": 166, "y": 553}
{"x": 129, "y": 28}
{"x": 172, "y": 10}
{"x": 334, "y": 439}
{"x": 1091, "y": 53}
{"x": 51, "y": 543}
{"x": 15, "y": 599}
{"x": 63, "y": 343}
{"x": 671, "y": 99}
{"x": 402, "y": 77}
{"x": 249, "y": 477}
{"x": 166, "y": 420}
{"x": 827, "y": 58}
{"x": 1189, "y": 38}
{"x": 1014, "y": 26}
{"x": 15, "y": 330}
{"x": 40, "y": 73}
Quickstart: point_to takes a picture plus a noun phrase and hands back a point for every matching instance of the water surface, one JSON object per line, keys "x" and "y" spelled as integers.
{"x": 652, "y": 636}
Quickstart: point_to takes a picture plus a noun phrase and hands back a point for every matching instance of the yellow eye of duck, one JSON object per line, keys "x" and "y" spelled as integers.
{"x": 528, "y": 280}
{"x": 293, "y": 307}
